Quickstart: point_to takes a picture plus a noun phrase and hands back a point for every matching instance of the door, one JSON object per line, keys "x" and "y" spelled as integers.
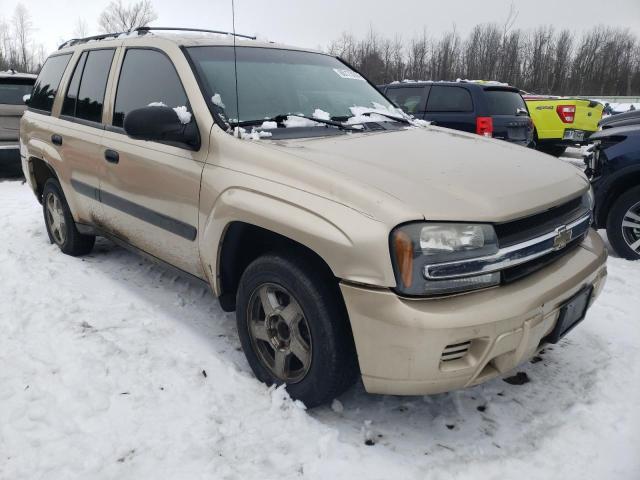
{"x": 78, "y": 132}
{"x": 150, "y": 190}
{"x": 451, "y": 107}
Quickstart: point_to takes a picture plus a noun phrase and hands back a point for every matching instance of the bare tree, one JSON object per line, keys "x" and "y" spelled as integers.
{"x": 17, "y": 49}
{"x": 22, "y": 29}
{"x": 604, "y": 61}
{"x": 81, "y": 29}
{"x": 120, "y": 18}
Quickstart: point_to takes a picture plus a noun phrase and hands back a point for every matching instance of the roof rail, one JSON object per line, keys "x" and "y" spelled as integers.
{"x": 144, "y": 31}
{"x": 77, "y": 41}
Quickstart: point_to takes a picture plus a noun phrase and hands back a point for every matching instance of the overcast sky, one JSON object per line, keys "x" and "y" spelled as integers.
{"x": 314, "y": 24}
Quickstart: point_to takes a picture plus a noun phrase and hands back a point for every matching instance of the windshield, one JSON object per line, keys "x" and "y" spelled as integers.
{"x": 11, "y": 92}
{"x": 505, "y": 102}
{"x": 273, "y": 82}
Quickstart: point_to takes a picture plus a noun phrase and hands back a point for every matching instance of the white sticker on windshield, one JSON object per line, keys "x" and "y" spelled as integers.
{"x": 350, "y": 74}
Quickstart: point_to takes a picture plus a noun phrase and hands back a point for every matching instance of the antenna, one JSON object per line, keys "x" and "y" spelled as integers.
{"x": 235, "y": 64}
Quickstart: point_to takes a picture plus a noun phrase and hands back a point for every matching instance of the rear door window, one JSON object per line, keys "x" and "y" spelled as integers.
{"x": 147, "y": 77}
{"x": 409, "y": 99}
{"x": 85, "y": 96}
{"x": 13, "y": 90}
{"x": 449, "y": 99}
{"x": 69, "y": 104}
{"x": 504, "y": 102}
{"x": 48, "y": 82}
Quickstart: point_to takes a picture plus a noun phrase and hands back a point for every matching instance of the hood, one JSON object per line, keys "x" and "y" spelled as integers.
{"x": 445, "y": 174}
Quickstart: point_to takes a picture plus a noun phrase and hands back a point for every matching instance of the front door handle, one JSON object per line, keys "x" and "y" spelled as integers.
{"x": 111, "y": 156}
{"x": 56, "y": 139}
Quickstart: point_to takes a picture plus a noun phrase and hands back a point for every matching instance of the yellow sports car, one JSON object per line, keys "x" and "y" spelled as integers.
{"x": 562, "y": 121}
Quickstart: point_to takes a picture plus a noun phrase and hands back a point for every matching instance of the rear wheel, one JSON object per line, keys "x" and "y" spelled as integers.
{"x": 294, "y": 329}
{"x": 60, "y": 224}
{"x": 623, "y": 225}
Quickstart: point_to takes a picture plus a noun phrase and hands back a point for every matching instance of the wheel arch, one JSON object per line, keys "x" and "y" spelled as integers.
{"x": 40, "y": 171}
{"x": 242, "y": 243}
{"x": 344, "y": 241}
{"x": 622, "y": 182}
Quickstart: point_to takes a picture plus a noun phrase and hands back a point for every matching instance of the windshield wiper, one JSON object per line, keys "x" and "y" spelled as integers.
{"x": 392, "y": 117}
{"x": 281, "y": 118}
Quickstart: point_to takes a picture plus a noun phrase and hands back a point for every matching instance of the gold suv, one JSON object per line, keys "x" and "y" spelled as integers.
{"x": 349, "y": 239}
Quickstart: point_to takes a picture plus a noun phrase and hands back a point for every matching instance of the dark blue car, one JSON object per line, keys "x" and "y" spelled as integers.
{"x": 489, "y": 109}
{"x": 613, "y": 167}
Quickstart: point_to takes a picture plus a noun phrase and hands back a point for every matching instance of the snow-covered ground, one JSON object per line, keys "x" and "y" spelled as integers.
{"x": 113, "y": 367}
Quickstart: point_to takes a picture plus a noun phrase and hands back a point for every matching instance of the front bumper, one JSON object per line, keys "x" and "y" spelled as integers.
{"x": 401, "y": 342}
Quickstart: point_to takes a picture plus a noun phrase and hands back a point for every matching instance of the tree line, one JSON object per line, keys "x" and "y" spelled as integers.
{"x": 602, "y": 61}
{"x": 20, "y": 50}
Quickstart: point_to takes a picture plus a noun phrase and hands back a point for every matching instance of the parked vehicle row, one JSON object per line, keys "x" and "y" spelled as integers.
{"x": 350, "y": 241}
{"x": 13, "y": 88}
{"x": 488, "y": 109}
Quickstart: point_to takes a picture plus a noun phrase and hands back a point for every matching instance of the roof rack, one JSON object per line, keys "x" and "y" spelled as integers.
{"x": 179, "y": 29}
{"x": 144, "y": 31}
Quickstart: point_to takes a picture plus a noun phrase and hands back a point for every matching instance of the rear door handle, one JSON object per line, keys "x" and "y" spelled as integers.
{"x": 56, "y": 139}
{"x": 111, "y": 156}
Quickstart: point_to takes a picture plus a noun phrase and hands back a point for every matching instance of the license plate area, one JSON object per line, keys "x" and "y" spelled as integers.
{"x": 577, "y": 135}
{"x": 571, "y": 314}
{"x": 517, "y": 133}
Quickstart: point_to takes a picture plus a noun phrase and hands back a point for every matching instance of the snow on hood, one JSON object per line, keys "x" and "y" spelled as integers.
{"x": 444, "y": 174}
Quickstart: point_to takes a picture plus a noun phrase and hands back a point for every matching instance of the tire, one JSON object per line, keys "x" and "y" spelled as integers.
{"x": 622, "y": 237}
{"x": 61, "y": 227}
{"x": 322, "y": 327}
{"x": 555, "y": 150}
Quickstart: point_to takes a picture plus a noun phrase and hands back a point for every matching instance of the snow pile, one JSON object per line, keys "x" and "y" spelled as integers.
{"x": 217, "y": 100}
{"x": 102, "y": 375}
{"x": 183, "y": 114}
{"x": 292, "y": 122}
{"x": 267, "y": 125}
{"x": 253, "y": 135}
{"x": 321, "y": 114}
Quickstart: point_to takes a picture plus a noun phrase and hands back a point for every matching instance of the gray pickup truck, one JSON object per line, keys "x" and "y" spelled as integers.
{"x": 13, "y": 87}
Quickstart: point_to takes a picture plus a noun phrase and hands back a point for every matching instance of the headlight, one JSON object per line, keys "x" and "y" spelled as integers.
{"x": 416, "y": 245}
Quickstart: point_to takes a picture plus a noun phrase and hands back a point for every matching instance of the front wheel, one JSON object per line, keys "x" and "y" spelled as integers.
{"x": 623, "y": 225}
{"x": 60, "y": 224}
{"x": 294, "y": 329}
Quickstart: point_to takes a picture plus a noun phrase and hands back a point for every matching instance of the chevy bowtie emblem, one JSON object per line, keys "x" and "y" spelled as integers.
{"x": 563, "y": 236}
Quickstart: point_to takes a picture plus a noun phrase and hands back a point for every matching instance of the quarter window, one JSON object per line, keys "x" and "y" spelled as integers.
{"x": 46, "y": 86}
{"x": 147, "y": 77}
{"x": 449, "y": 99}
{"x": 85, "y": 96}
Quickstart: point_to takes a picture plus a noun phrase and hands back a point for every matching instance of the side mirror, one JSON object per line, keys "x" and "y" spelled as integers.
{"x": 26, "y": 98}
{"x": 161, "y": 124}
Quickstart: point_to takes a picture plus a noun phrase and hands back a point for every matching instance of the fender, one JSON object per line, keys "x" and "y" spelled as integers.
{"x": 347, "y": 251}
{"x": 609, "y": 190}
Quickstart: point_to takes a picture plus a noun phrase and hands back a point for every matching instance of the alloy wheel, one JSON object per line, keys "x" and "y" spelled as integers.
{"x": 56, "y": 219}
{"x": 631, "y": 228}
{"x": 279, "y": 332}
